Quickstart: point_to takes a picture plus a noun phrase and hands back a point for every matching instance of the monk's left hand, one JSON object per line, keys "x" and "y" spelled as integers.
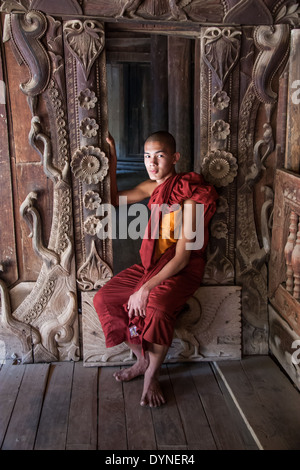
{"x": 137, "y": 303}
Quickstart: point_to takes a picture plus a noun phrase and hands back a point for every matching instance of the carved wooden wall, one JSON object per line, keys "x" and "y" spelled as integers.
{"x": 239, "y": 99}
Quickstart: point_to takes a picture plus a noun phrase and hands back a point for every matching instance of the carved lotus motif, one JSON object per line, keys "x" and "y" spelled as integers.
{"x": 89, "y": 127}
{"x": 220, "y": 100}
{"x": 91, "y": 225}
{"x": 87, "y": 99}
{"x": 91, "y": 200}
{"x": 220, "y": 129}
{"x": 85, "y": 40}
{"x": 219, "y": 168}
{"x": 89, "y": 164}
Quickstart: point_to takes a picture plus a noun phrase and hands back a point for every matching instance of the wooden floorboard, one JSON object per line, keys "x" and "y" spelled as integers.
{"x": 111, "y": 420}
{"x": 82, "y": 423}
{"x": 24, "y": 420}
{"x": 231, "y": 405}
{"x": 269, "y": 402}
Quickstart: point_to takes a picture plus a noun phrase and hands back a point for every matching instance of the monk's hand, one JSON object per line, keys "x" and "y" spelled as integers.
{"x": 137, "y": 303}
{"x": 111, "y": 142}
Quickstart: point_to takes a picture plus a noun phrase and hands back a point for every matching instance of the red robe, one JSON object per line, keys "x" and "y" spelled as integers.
{"x": 166, "y": 300}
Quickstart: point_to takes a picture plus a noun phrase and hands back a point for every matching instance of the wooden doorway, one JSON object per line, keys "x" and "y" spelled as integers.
{"x": 238, "y": 99}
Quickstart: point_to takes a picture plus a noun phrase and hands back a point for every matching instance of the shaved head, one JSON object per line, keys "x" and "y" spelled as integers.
{"x": 164, "y": 137}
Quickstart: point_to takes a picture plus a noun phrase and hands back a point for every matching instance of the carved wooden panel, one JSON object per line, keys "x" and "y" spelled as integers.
{"x": 87, "y": 105}
{"x": 46, "y": 321}
{"x": 284, "y": 283}
{"x": 284, "y": 344}
{"x": 208, "y": 329}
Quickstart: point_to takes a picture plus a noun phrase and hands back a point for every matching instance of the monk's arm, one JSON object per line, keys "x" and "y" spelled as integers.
{"x": 138, "y": 301}
{"x": 182, "y": 254}
{"x": 136, "y": 194}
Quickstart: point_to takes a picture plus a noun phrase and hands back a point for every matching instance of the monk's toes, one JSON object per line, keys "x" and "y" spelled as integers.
{"x": 144, "y": 402}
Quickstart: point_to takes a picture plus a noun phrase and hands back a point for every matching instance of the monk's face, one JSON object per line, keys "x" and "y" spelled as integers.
{"x": 159, "y": 160}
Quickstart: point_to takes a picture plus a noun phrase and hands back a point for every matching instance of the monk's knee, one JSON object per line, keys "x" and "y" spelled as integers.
{"x": 99, "y": 301}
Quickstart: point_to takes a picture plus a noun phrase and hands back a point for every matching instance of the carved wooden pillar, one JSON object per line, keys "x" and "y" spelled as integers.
{"x": 217, "y": 152}
{"x": 292, "y": 158}
{"x": 87, "y": 104}
{"x": 236, "y": 71}
{"x": 253, "y": 245}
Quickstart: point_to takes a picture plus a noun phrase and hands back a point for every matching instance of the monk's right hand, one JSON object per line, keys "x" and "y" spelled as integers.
{"x": 137, "y": 303}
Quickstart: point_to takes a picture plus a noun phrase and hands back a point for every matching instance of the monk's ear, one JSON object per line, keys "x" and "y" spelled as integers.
{"x": 176, "y": 157}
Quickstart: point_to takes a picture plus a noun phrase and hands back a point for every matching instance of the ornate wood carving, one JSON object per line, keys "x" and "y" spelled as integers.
{"x": 27, "y": 31}
{"x": 284, "y": 260}
{"x": 184, "y": 12}
{"x": 284, "y": 343}
{"x": 47, "y": 317}
{"x": 85, "y": 39}
{"x": 220, "y": 53}
{"x": 49, "y": 312}
{"x": 86, "y": 99}
{"x": 208, "y": 329}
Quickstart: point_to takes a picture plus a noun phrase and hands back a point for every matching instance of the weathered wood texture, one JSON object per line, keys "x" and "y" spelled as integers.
{"x": 284, "y": 292}
{"x": 177, "y": 15}
{"x": 284, "y": 261}
{"x": 268, "y": 400}
{"x": 233, "y": 405}
{"x": 180, "y": 103}
{"x": 86, "y": 409}
{"x": 8, "y": 255}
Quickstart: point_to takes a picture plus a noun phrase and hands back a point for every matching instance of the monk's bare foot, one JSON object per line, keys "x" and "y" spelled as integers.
{"x": 139, "y": 368}
{"x": 152, "y": 394}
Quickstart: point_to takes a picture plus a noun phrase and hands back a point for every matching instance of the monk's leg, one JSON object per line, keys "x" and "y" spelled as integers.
{"x": 138, "y": 368}
{"x": 152, "y": 394}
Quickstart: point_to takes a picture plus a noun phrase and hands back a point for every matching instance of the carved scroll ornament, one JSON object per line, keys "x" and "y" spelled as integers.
{"x": 273, "y": 43}
{"x": 25, "y": 32}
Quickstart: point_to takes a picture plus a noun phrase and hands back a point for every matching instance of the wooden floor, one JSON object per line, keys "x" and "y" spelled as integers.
{"x": 248, "y": 404}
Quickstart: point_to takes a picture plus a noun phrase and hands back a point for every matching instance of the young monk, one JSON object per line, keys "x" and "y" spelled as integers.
{"x": 139, "y": 305}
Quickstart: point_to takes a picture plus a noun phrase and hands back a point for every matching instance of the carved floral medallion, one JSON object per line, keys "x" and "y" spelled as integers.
{"x": 220, "y": 129}
{"x": 219, "y": 168}
{"x": 89, "y": 127}
{"x": 87, "y": 99}
{"x": 221, "y": 100}
{"x": 91, "y": 200}
{"x": 89, "y": 165}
